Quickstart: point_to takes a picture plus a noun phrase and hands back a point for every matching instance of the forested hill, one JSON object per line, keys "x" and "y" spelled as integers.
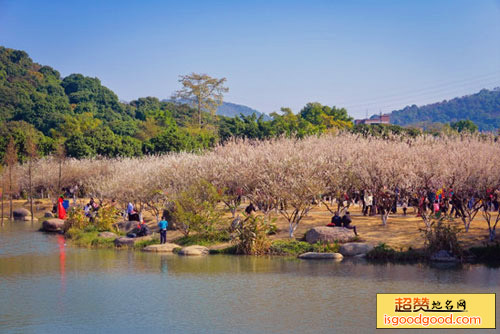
{"x": 482, "y": 108}
{"x": 78, "y": 115}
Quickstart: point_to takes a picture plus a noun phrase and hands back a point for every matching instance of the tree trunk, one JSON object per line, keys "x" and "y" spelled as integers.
{"x": 31, "y": 191}
{"x": 199, "y": 113}
{"x": 291, "y": 230}
{"x": 11, "y": 213}
{"x": 59, "y": 179}
{"x": 384, "y": 218}
{"x": 466, "y": 224}
{"x": 493, "y": 234}
{"x": 3, "y": 191}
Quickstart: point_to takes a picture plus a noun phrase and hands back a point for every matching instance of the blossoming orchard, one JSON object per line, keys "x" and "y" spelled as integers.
{"x": 291, "y": 176}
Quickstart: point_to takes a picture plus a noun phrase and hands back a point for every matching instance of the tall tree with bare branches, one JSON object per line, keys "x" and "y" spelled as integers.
{"x": 11, "y": 161}
{"x": 202, "y": 91}
{"x": 32, "y": 156}
{"x": 2, "y": 174}
{"x": 61, "y": 157}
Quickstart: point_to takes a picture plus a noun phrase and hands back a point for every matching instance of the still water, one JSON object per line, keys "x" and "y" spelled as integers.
{"x": 49, "y": 287}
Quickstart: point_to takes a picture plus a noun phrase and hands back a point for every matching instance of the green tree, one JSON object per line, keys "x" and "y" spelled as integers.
{"x": 76, "y": 146}
{"x": 325, "y": 117}
{"x": 464, "y": 125}
{"x": 196, "y": 208}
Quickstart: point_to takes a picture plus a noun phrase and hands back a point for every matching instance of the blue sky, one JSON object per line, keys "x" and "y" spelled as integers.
{"x": 367, "y": 56}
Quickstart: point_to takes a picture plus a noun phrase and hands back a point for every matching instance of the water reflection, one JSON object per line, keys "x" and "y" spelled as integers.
{"x": 66, "y": 289}
{"x": 62, "y": 260}
{"x": 163, "y": 264}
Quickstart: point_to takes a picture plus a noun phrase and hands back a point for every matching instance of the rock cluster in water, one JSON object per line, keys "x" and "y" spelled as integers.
{"x": 443, "y": 256}
{"x": 355, "y": 248}
{"x": 321, "y": 256}
{"x": 22, "y": 214}
{"x": 126, "y": 241}
{"x": 53, "y": 225}
{"x": 194, "y": 250}
{"x": 161, "y": 248}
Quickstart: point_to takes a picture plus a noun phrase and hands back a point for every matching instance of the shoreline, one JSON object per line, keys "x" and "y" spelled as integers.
{"x": 381, "y": 254}
{"x": 401, "y": 235}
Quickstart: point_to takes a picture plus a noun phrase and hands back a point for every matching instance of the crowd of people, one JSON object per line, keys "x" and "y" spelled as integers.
{"x": 443, "y": 201}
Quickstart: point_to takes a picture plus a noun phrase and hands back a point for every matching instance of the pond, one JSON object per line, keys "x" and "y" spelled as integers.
{"x": 49, "y": 287}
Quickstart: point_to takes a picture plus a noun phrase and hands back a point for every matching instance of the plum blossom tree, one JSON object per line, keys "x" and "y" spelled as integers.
{"x": 290, "y": 175}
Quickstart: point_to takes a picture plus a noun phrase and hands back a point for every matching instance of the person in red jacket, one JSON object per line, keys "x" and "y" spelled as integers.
{"x": 60, "y": 208}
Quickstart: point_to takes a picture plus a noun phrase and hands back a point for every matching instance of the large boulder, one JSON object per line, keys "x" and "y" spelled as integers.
{"x": 321, "y": 256}
{"x": 194, "y": 250}
{"x": 443, "y": 256}
{"x": 126, "y": 226}
{"x": 53, "y": 225}
{"x": 21, "y": 214}
{"x": 107, "y": 235}
{"x": 355, "y": 248}
{"x": 161, "y": 248}
{"x": 130, "y": 242}
{"x": 329, "y": 234}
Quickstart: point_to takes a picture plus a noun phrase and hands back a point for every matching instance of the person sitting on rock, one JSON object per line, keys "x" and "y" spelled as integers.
{"x": 134, "y": 216}
{"x": 336, "y": 220}
{"x": 143, "y": 230}
{"x": 346, "y": 222}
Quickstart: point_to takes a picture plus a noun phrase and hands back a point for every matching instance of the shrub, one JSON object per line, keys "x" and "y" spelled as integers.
{"x": 204, "y": 239}
{"x": 105, "y": 218}
{"x": 251, "y": 237}
{"x": 442, "y": 236}
{"x": 195, "y": 208}
{"x": 295, "y": 247}
{"x": 76, "y": 219}
{"x": 385, "y": 253}
{"x": 103, "y": 221}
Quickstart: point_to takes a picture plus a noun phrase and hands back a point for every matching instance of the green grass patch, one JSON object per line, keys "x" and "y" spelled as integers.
{"x": 488, "y": 253}
{"x": 384, "y": 253}
{"x": 204, "y": 239}
{"x": 295, "y": 247}
{"x": 228, "y": 250}
{"x": 88, "y": 239}
{"x": 143, "y": 243}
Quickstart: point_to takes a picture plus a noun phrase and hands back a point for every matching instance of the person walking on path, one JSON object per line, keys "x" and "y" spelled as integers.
{"x": 163, "y": 224}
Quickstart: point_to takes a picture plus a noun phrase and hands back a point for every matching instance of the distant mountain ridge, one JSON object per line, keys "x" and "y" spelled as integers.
{"x": 229, "y": 109}
{"x": 232, "y": 110}
{"x": 483, "y": 108}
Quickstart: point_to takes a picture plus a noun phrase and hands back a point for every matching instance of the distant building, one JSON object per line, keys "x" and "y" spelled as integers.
{"x": 382, "y": 119}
